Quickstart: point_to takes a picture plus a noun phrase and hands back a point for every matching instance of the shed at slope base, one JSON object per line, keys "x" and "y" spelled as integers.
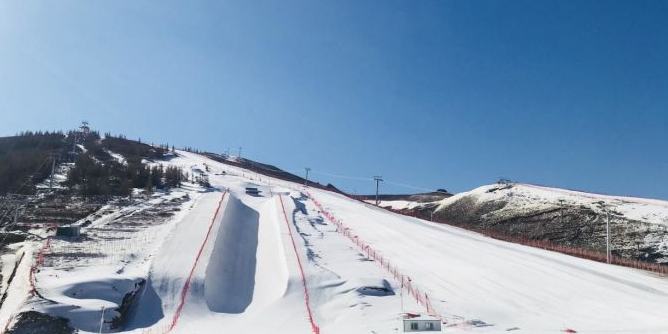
{"x": 422, "y": 323}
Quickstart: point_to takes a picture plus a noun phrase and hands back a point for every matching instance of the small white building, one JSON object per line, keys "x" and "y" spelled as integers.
{"x": 421, "y": 323}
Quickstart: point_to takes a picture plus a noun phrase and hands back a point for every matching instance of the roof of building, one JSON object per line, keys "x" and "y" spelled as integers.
{"x": 419, "y": 316}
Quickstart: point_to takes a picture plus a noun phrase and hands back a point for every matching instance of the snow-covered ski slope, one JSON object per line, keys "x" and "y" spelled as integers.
{"x": 236, "y": 251}
{"x": 508, "y": 285}
{"x": 248, "y": 279}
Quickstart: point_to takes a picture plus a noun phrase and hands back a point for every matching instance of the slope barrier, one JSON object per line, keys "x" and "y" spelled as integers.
{"x": 314, "y": 326}
{"x": 163, "y": 329}
{"x": 31, "y": 279}
{"x": 579, "y": 252}
{"x": 421, "y": 297}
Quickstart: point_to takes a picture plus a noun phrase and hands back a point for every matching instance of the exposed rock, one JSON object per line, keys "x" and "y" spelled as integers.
{"x": 32, "y": 322}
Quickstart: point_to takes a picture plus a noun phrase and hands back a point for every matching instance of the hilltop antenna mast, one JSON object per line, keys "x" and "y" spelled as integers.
{"x": 84, "y": 129}
{"x": 378, "y": 179}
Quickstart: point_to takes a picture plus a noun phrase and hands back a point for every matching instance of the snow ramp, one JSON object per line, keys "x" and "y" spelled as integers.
{"x": 242, "y": 272}
{"x": 230, "y": 276}
{"x": 246, "y": 269}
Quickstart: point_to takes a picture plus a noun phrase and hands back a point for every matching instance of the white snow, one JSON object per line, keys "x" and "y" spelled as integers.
{"x": 248, "y": 280}
{"x": 530, "y": 196}
{"x": 397, "y": 204}
{"x": 17, "y": 292}
{"x": 505, "y": 284}
{"x": 117, "y": 157}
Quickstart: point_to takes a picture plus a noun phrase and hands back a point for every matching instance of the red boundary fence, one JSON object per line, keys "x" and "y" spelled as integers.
{"x": 184, "y": 292}
{"x": 580, "y": 252}
{"x": 584, "y": 253}
{"x": 421, "y": 297}
{"x": 186, "y": 285}
{"x": 31, "y": 278}
{"x": 314, "y": 326}
{"x": 39, "y": 262}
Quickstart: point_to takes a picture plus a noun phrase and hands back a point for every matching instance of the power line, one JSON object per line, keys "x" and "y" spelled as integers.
{"x": 18, "y": 208}
{"x": 41, "y": 141}
{"x": 407, "y": 186}
{"x": 343, "y": 176}
{"x": 53, "y": 157}
{"x": 26, "y": 181}
{"x": 340, "y": 176}
{"x": 398, "y": 184}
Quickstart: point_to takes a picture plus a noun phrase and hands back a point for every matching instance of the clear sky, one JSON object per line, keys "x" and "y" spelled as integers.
{"x": 432, "y": 94}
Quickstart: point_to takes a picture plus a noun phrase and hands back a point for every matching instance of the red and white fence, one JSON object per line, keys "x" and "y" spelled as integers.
{"x": 31, "y": 279}
{"x": 186, "y": 285}
{"x": 421, "y": 297}
{"x": 314, "y": 326}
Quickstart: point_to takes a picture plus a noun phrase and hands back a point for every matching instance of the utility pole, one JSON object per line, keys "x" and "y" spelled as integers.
{"x": 239, "y": 152}
{"x": 306, "y": 179}
{"x": 607, "y": 234}
{"x": 378, "y": 179}
{"x": 607, "y": 230}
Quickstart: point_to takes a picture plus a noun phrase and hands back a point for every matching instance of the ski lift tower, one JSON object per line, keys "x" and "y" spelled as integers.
{"x": 84, "y": 128}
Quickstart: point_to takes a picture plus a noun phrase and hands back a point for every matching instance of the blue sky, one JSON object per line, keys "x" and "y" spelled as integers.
{"x": 431, "y": 94}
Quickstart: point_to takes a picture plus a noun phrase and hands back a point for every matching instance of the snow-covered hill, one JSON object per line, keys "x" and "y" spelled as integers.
{"x": 526, "y": 196}
{"x": 201, "y": 260}
{"x": 639, "y": 227}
